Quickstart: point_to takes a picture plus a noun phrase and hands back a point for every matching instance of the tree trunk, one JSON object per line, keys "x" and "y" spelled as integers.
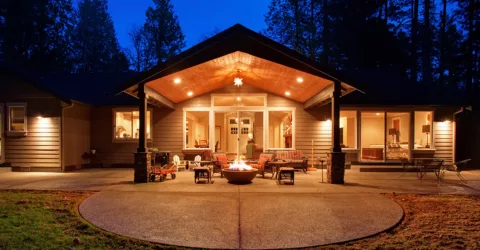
{"x": 469, "y": 83}
{"x": 297, "y": 26}
{"x": 426, "y": 44}
{"x": 442, "y": 44}
{"x": 326, "y": 24}
{"x": 413, "y": 37}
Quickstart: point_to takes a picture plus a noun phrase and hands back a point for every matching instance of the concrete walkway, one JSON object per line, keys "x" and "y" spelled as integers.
{"x": 259, "y": 215}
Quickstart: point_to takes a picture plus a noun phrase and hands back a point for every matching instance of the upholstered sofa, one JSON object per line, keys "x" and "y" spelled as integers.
{"x": 295, "y": 158}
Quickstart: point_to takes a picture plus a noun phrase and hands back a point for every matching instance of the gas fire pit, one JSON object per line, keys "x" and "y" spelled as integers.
{"x": 239, "y": 173}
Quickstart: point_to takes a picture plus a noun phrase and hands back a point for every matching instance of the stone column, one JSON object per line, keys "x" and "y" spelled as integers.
{"x": 142, "y": 159}
{"x": 336, "y": 168}
{"x": 143, "y": 165}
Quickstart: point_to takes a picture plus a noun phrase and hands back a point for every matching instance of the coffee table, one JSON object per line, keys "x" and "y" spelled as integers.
{"x": 276, "y": 165}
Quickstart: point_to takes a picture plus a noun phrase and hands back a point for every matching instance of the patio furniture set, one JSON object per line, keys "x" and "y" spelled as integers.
{"x": 435, "y": 165}
{"x": 281, "y": 164}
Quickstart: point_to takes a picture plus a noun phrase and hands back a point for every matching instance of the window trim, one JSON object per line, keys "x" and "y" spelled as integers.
{"x": 9, "y": 127}
{"x": 294, "y": 125}
{"x": 211, "y": 120}
{"x": 133, "y": 140}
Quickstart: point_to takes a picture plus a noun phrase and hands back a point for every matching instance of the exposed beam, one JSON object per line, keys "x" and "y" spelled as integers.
{"x": 160, "y": 98}
{"x": 321, "y": 97}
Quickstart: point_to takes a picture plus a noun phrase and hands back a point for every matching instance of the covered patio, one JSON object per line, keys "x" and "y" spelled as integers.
{"x": 236, "y": 65}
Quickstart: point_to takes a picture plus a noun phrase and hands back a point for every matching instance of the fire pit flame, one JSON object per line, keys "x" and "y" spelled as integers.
{"x": 240, "y": 166}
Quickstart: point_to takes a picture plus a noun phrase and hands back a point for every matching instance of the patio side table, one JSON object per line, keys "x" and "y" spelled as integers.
{"x": 276, "y": 165}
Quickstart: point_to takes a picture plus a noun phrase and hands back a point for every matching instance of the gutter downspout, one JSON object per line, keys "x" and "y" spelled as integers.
{"x": 62, "y": 157}
{"x": 455, "y": 134}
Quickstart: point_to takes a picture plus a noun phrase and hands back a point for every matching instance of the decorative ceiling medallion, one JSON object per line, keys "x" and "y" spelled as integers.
{"x": 238, "y": 82}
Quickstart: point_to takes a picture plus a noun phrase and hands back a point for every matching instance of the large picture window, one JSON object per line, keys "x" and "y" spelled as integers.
{"x": 423, "y": 130}
{"x": 197, "y": 129}
{"x": 280, "y": 129}
{"x": 348, "y": 129}
{"x": 17, "y": 118}
{"x": 127, "y": 124}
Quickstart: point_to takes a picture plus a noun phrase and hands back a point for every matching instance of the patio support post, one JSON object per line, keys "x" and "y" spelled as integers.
{"x": 336, "y": 168}
{"x": 142, "y": 157}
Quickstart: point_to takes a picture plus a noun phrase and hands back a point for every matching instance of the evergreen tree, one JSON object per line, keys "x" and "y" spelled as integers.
{"x": 163, "y": 33}
{"x": 96, "y": 45}
{"x": 36, "y": 34}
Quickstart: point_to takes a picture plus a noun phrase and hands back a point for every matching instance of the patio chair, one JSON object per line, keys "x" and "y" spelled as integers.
{"x": 262, "y": 164}
{"x": 178, "y": 163}
{"x": 219, "y": 162}
{"x": 457, "y": 168}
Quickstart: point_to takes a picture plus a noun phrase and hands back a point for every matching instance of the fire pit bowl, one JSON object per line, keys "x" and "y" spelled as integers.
{"x": 240, "y": 176}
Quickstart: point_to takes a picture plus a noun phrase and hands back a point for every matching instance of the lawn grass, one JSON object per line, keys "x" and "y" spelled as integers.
{"x": 50, "y": 220}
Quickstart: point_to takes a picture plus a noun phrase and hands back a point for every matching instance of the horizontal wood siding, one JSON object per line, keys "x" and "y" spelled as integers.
{"x": 109, "y": 153}
{"x": 443, "y": 140}
{"x": 40, "y": 148}
{"x": 76, "y": 135}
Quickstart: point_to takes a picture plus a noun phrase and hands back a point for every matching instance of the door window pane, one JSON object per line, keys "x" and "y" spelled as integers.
{"x": 373, "y": 136}
{"x": 280, "y": 129}
{"x": 398, "y": 132}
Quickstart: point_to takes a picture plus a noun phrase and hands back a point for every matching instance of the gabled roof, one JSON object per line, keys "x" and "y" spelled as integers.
{"x": 97, "y": 89}
{"x": 33, "y": 79}
{"x": 234, "y": 39}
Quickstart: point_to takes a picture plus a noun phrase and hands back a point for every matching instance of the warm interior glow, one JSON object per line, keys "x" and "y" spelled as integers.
{"x": 287, "y": 93}
{"x": 239, "y": 165}
{"x": 190, "y": 93}
{"x": 446, "y": 121}
{"x": 39, "y": 117}
{"x": 177, "y": 80}
{"x": 299, "y": 79}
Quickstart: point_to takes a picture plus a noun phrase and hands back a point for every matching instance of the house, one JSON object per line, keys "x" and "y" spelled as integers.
{"x": 235, "y": 89}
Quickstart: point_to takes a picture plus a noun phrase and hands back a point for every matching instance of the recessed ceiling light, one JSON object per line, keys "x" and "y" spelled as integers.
{"x": 190, "y": 93}
{"x": 239, "y": 99}
{"x": 287, "y": 93}
{"x": 177, "y": 80}
{"x": 377, "y": 113}
{"x": 299, "y": 79}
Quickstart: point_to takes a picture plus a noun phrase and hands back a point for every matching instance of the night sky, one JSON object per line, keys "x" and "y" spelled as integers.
{"x": 197, "y": 17}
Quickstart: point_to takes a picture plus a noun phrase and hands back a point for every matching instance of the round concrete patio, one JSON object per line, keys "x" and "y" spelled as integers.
{"x": 241, "y": 220}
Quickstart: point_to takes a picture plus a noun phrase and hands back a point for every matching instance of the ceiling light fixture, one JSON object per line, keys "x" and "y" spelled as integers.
{"x": 299, "y": 79}
{"x": 239, "y": 99}
{"x": 177, "y": 80}
{"x": 238, "y": 81}
{"x": 190, "y": 93}
{"x": 377, "y": 113}
{"x": 287, "y": 93}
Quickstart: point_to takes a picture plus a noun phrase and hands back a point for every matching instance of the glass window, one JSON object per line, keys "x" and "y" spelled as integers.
{"x": 238, "y": 101}
{"x": 17, "y": 118}
{"x": 280, "y": 129}
{"x": 398, "y": 135}
{"x": 348, "y": 129}
{"x": 127, "y": 125}
{"x": 373, "y": 136}
{"x": 197, "y": 133}
{"x": 423, "y": 129}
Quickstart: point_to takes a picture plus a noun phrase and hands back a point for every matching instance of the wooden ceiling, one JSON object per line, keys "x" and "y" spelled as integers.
{"x": 257, "y": 72}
